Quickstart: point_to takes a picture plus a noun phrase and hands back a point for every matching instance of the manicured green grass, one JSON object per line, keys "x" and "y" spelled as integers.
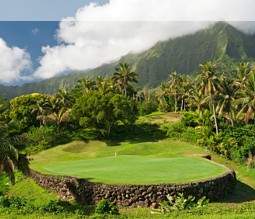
{"x": 129, "y": 169}
{"x": 129, "y": 163}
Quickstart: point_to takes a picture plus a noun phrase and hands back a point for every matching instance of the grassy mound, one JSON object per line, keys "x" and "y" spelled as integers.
{"x": 128, "y": 163}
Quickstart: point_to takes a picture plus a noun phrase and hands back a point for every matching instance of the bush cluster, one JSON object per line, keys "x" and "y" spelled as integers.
{"x": 105, "y": 207}
{"x": 21, "y": 203}
{"x": 237, "y": 142}
{"x": 181, "y": 203}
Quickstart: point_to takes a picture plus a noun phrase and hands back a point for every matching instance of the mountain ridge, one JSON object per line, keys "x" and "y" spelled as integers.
{"x": 182, "y": 54}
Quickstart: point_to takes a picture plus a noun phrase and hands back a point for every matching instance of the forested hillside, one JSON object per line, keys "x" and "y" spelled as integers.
{"x": 183, "y": 54}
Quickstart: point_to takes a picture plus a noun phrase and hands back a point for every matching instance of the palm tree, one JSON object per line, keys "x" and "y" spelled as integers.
{"x": 65, "y": 98}
{"x": 184, "y": 88}
{"x": 162, "y": 94}
{"x": 10, "y": 159}
{"x": 209, "y": 86}
{"x": 123, "y": 77}
{"x": 103, "y": 85}
{"x": 243, "y": 71}
{"x": 173, "y": 84}
{"x": 84, "y": 85}
{"x": 195, "y": 98}
{"x": 247, "y": 97}
{"x": 227, "y": 97}
{"x": 54, "y": 109}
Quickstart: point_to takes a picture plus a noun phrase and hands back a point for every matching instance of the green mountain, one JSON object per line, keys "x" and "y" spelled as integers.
{"x": 183, "y": 54}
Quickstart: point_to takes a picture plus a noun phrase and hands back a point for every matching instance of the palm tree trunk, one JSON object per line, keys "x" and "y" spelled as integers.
{"x": 182, "y": 105}
{"x": 175, "y": 104}
{"x": 215, "y": 119}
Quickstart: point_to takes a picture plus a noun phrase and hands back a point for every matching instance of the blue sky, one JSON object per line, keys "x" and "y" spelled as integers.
{"x": 29, "y": 35}
{"x": 40, "y": 39}
{"x": 40, "y": 10}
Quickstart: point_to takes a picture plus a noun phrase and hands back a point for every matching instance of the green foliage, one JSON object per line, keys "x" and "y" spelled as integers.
{"x": 39, "y": 139}
{"x": 52, "y": 207}
{"x": 3, "y": 183}
{"x": 190, "y": 119}
{"x": 23, "y": 110}
{"x": 235, "y": 142}
{"x": 147, "y": 107}
{"x": 238, "y": 142}
{"x": 179, "y": 131}
{"x": 180, "y": 203}
{"x": 21, "y": 203}
{"x": 103, "y": 112}
{"x": 12, "y": 202}
{"x": 105, "y": 207}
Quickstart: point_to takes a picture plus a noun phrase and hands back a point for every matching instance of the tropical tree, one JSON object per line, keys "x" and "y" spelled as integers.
{"x": 84, "y": 85}
{"x": 123, "y": 77}
{"x": 226, "y": 98}
{"x": 4, "y": 106}
{"x": 209, "y": 82}
{"x": 10, "y": 159}
{"x": 103, "y": 85}
{"x": 184, "y": 90}
{"x": 164, "y": 98}
{"x": 54, "y": 109}
{"x": 247, "y": 97}
{"x": 173, "y": 84}
{"x": 24, "y": 110}
{"x": 195, "y": 98}
{"x": 102, "y": 112}
{"x": 243, "y": 71}
{"x": 65, "y": 98}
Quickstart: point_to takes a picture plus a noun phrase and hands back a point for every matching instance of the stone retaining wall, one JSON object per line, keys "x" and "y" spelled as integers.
{"x": 85, "y": 192}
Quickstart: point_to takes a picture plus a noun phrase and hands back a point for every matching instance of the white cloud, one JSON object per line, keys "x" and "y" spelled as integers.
{"x": 98, "y": 34}
{"x": 13, "y": 62}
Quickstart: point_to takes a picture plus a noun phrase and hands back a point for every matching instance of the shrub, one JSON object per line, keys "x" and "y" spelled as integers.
{"x": 189, "y": 119}
{"x": 52, "y": 207}
{"x": 180, "y": 203}
{"x": 147, "y": 107}
{"x": 39, "y": 138}
{"x": 12, "y": 202}
{"x": 105, "y": 207}
{"x": 238, "y": 143}
{"x": 181, "y": 132}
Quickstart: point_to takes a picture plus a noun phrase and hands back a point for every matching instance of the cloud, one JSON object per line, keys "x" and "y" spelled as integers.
{"x": 99, "y": 34}
{"x": 14, "y": 61}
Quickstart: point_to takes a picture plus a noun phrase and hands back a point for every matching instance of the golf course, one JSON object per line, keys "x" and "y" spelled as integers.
{"x": 164, "y": 161}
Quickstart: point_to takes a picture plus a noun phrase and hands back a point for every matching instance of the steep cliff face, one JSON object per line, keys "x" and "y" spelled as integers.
{"x": 183, "y": 54}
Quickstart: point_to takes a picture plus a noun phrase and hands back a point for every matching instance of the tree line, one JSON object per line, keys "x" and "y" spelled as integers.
{"x": 214, "y": 100}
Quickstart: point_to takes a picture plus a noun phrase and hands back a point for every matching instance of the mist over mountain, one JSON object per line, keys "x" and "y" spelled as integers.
{"x": 182, "y": 54}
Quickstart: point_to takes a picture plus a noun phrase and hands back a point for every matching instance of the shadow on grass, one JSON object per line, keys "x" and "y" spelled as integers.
{"x": 75, "y": 208}
{"x": 242, "y": 193}
{"x": 136, "y": 133}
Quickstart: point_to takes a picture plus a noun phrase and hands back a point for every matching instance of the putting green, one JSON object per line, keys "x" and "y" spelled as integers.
{"x": 128, "y": 169}
{"x": 163, "y": 161}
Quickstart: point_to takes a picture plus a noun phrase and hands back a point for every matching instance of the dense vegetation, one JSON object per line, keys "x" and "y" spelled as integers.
{"x": 217, "y": 110}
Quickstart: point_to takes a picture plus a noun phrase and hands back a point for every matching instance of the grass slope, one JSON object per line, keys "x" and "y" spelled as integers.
{"x": 128, "y": 163}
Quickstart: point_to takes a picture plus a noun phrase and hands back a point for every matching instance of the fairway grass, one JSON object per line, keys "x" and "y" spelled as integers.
{"x": 128, "y": 163}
